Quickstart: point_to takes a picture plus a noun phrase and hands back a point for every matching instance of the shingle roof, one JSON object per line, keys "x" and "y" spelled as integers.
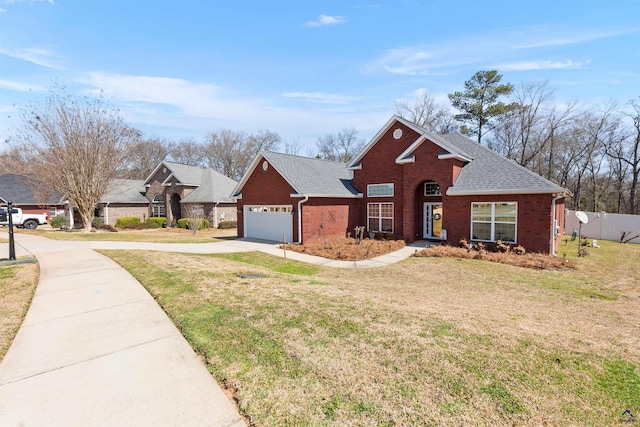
{"x": 125, "y": 191}
{"x": 308, "y": 176}
{"x": 214, "y": 187}
{"x": 22, "y": 190}
{"x": 490, "y": 173}
{"x": 186, "y": 174}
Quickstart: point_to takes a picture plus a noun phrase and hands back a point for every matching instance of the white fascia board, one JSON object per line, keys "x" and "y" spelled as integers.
{"x": 499, "y": 192}
{"x": 407, "y": 155}
{"x": 146, "y": 181}
{"x": 332, "y": 196}
{"x": 454, "y": 156}
{"x": 355, "y": 167}
{"x": 411, "y": 159}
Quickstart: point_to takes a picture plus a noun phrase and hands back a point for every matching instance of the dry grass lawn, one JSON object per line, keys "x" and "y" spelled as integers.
{"x": 427, "y": 341}
{"x": 154, "y": 235}
{"x": 17, "y": 286}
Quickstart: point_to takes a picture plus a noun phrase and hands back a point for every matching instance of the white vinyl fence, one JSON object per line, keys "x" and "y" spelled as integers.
{"x": 605, "y": 226}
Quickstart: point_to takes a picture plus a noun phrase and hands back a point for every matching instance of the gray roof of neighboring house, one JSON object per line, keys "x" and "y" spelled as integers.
{"x": 186, "y": 174}
{"x": 313, "y": 177}
{"x": 125, "y": 191}
{"x": 22, "y": 190}
{"x": 489, "y": 173}
{"x": 214, "y": 187}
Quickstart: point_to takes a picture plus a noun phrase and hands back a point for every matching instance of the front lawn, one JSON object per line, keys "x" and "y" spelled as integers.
{"x": 427, "y": 341}
{"x": 154, "y": 235}
{"x": 17, "y": 286}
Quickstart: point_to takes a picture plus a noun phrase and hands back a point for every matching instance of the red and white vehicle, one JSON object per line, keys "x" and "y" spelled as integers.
{"x": 29, "y": 221}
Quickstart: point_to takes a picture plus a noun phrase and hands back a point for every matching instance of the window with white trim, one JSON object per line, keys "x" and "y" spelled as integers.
{"x": 272, "y": 209}
{"x": 432, "y": 188}
{"x": 380, "y": 217}
{"x": 495, "y": 221}
{"x": 380, "y": 190}
{"x": 158, "y": 210}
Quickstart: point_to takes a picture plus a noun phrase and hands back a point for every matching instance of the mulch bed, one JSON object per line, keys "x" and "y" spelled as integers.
{"x": 529, "y": 260}
{"x": 346, "y": 248}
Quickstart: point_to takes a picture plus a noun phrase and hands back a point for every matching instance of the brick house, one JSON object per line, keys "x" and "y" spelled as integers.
{"x": 125, "y": 197}
{"x": 178, "y": 191}
{"x": 409, "y": 183}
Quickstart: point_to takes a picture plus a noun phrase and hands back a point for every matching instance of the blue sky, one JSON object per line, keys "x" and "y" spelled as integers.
{"x": 304, "y": 69}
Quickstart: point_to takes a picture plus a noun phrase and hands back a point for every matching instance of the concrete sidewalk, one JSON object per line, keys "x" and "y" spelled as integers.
{"x": 95, "y": 348}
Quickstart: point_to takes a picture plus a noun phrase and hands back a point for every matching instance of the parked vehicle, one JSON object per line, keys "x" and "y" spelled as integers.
{"x": 22, "y": 220}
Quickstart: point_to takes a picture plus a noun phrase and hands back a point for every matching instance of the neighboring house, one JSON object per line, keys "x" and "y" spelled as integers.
{"x": 125, "y": 197}
{"x": 178, "y": 191}
{"x": 408, "y": 183}
{"x": 25, "y": 193}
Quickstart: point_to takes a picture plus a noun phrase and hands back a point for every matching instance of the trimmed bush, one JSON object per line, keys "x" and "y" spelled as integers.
{"x": 127, "y": 221}
{"x": 58, "y": 221}
{"x": 227, "y": 224}
{"x": 96, "y": 222}
{"x": 202, "y": 223}
{"x": 155, "y": 222}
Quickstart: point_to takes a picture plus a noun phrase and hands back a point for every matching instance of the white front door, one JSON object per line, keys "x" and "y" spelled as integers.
{"x": 432, "y": 221}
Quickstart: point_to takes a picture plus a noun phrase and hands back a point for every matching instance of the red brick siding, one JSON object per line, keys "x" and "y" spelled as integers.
{"x": 534, "y": 218}
{"x": 267, "y": 188}
{"x": 326, "y": 219}
{"x": 378, "y": 167}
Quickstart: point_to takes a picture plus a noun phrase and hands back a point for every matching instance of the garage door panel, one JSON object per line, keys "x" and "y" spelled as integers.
{"x": 263, "y": 223}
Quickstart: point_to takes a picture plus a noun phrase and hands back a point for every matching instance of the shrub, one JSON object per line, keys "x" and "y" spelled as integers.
{"x": 186, "y": 223}
{"x": 227, "y": 224}
{"x": 155, "y": 222}
{"x": 519, "y": 250}
{"x": 58, "y": 221}
{"x": 127, "y": 221}
{"x": 107, "y": 227}
{"x": 501, "y": 247}
{"x": 96, "y": 222}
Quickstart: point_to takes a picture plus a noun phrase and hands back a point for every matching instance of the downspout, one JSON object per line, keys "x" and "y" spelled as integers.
{"x": 554, "y": 221}
{"x": 215, "y": 215}
{"x": 106, "y": 213}
{"x": 306, "y": 198}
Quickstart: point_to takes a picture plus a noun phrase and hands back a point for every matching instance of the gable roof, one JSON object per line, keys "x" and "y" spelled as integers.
{"x": 125, "y": 191}
{"x": 184, "y": 174}
{"x": 19, "y": 189}
{"x": 211, "y": 185}
{"x": 307, "y": 176}
{"x": 484, "y": 170}
{"x": 214, "y": 187}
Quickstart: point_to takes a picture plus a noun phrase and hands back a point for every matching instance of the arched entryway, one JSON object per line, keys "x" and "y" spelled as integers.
{"x": 176, "y": 209}
{"x": 429, "y": 210}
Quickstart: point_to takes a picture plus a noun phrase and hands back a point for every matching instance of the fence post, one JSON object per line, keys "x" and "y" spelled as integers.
{"x": 12, "y": 247}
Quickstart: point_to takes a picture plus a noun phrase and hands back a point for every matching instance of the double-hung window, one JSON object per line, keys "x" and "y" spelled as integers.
{"x": 380, "y": 217}
{"x": 495, "y": 221}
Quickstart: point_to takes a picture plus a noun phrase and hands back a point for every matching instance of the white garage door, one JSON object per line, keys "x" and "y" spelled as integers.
{"x": 268, "y": 222}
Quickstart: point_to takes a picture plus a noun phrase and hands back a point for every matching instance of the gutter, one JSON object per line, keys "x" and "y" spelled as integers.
{"x": 306, "y": 198}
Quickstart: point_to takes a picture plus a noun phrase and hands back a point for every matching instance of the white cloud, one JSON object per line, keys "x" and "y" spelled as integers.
{"x": 30, "y": 1}
{"x": 539, "y": 65}
{"x": 324, "y": 20}
{"x": 20, "y": 87}
{"x": 320, "y": 97}
{"x": 42, "y": 57}
{"x": 500, "y": 47}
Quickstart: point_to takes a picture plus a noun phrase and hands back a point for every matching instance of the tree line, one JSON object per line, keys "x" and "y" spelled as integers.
{"x": 594, "y": 151}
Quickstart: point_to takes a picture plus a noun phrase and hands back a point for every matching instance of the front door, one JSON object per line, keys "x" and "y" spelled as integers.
{"x": 432, "y": 221}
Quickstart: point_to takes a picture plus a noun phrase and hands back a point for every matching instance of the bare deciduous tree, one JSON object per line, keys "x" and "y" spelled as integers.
{"x": 231, "y": 152}
{"x": 188, "y": 152}
{"x": 341, "y": 147}
{"x": 424, "y": 111}
{"x": 77, "y": 145}
{"x": 145, "y": 155}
